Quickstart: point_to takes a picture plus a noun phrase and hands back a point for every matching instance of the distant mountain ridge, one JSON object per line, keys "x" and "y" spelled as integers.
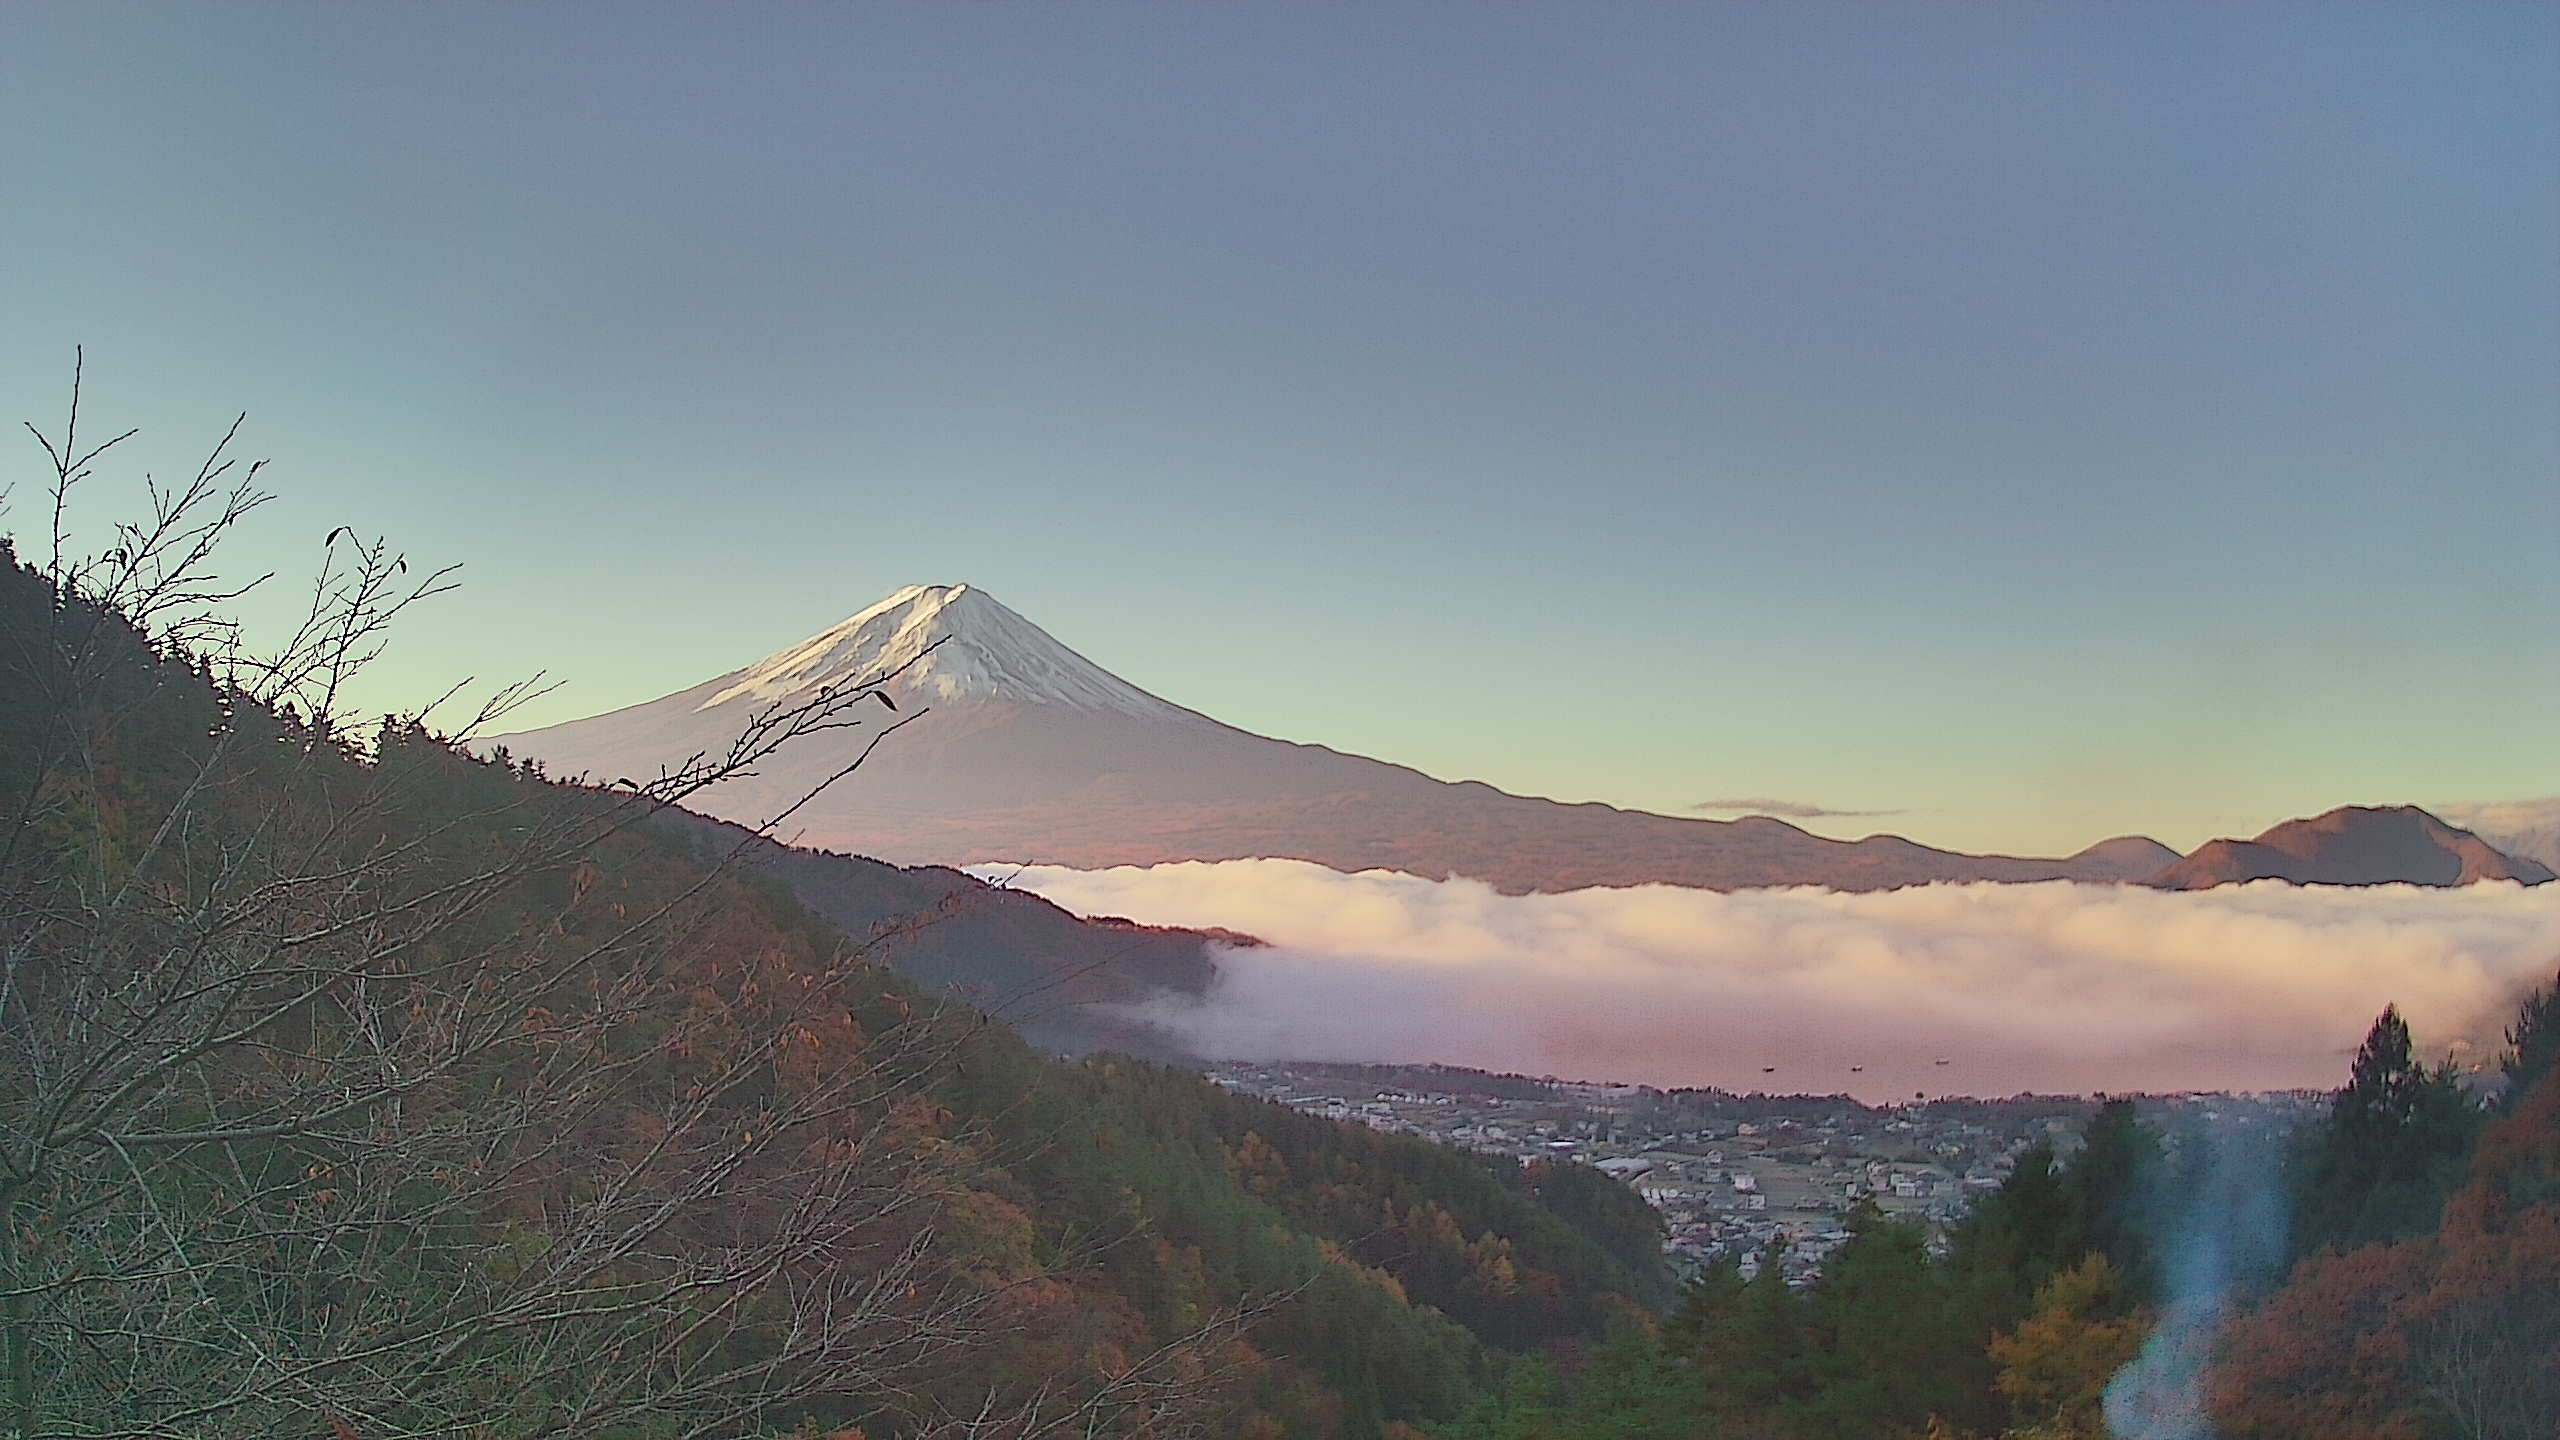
{"x": 1034, "y": 754}
{"x": 2526, "y": 829}
{"x": 2353, "y": 845}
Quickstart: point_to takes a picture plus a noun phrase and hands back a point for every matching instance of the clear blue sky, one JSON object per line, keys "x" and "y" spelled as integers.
{"x": 2039, "y": 420}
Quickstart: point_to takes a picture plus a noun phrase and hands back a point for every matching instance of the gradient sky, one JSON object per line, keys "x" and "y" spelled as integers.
{"x": 2040, "y": 421}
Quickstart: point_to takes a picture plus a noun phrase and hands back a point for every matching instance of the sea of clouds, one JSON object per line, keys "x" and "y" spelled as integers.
{"x": 2055, "y": 987}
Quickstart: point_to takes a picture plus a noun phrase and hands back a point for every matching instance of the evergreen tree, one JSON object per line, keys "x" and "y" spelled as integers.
{"x": 2017, "y": 1238}
{"x": 1706, "y": 1302}
{"x": 2391, "y": 1149}
{"x": 1771, "y": 1362}
{"x": 2112, "y": 1183}
{"x": 2535, "y": 1038}
{"x": 1889, "y": 1350}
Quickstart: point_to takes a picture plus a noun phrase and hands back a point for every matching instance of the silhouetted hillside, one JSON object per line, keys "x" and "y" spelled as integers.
{"x": 372, "y": 1088}
{"x": 1059, "y": 979}
{"x": 2353, "y": 845}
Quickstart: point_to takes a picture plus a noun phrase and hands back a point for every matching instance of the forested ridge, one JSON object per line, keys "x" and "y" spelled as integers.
{"x": 354, "y": 1085}
{"x": 1067, "y": 984}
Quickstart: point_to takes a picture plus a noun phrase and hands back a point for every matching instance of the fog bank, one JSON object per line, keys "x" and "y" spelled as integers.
{"x": 2050, "y": 987}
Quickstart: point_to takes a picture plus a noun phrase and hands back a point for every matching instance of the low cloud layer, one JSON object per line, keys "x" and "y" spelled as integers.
{"x": 2050, "y": 987}
{"x": 1783, "y": 809}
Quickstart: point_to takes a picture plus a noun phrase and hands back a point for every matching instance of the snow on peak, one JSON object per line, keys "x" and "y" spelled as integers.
{"x": 987, "y": 653}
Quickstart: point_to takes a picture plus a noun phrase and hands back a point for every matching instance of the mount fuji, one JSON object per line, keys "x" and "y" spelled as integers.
{"x": 1030, "y": 753}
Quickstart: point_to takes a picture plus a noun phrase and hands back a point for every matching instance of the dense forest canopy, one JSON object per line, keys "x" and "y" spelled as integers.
{"x": 354, "y": 1084}
{"x": 2390, "y": 1272}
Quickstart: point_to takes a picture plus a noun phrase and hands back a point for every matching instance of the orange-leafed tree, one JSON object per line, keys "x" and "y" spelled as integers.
{"x": 2456, "y": 1332}
{"x": 2055, "y": 1366}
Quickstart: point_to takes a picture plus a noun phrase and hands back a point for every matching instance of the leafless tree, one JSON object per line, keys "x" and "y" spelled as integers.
{"x": 352, "y": 1086}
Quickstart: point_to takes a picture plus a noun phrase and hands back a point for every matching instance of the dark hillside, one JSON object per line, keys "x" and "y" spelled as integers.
{"x": 1056, "y": 978}
{"x": 379, "y": 1090}
{"x": 2353, "y": 845}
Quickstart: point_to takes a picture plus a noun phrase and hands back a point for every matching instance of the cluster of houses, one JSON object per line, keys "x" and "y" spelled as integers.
{"x": 1743, "y": 1177}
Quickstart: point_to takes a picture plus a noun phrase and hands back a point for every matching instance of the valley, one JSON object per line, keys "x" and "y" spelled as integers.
{"x": 1740, "y": 1178}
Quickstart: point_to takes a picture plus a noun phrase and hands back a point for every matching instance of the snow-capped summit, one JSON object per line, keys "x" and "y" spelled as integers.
{"x": 984, "y": 652}
{"x": 1030, "y": 752}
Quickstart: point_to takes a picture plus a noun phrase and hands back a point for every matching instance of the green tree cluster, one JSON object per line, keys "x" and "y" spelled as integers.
{"x": 2391, "y": 1149}
{"x": 2014, "y": 1329}
{"x": 2425, "y": 1304}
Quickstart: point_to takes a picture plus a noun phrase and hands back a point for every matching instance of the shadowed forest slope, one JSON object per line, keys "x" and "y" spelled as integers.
{"x": 1060, "y": 979}
{"x": 362, "y": 1084}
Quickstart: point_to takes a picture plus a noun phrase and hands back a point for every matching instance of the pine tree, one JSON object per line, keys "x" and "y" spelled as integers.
{"x": 2111, "y": 1182}
{"x": 2536, "y": 1040}
{"x": 2382, "y": 1090}
{"x": 2392, "y": 1148}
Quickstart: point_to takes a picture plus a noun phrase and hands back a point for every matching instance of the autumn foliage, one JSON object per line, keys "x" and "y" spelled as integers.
{"x": 2452, "y": 1333}
{"x": 353, "y": 1083}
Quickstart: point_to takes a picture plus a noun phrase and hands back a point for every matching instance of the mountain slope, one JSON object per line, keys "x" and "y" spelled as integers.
{"x": 1059, "y": 979}
{"x": 494, "y": 1111}
{"x": 2130, "y": 855}
{"x": 2526, "y": 829}
{"x": 2353, "y": 845}
{"x": 1031, "y": 753}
